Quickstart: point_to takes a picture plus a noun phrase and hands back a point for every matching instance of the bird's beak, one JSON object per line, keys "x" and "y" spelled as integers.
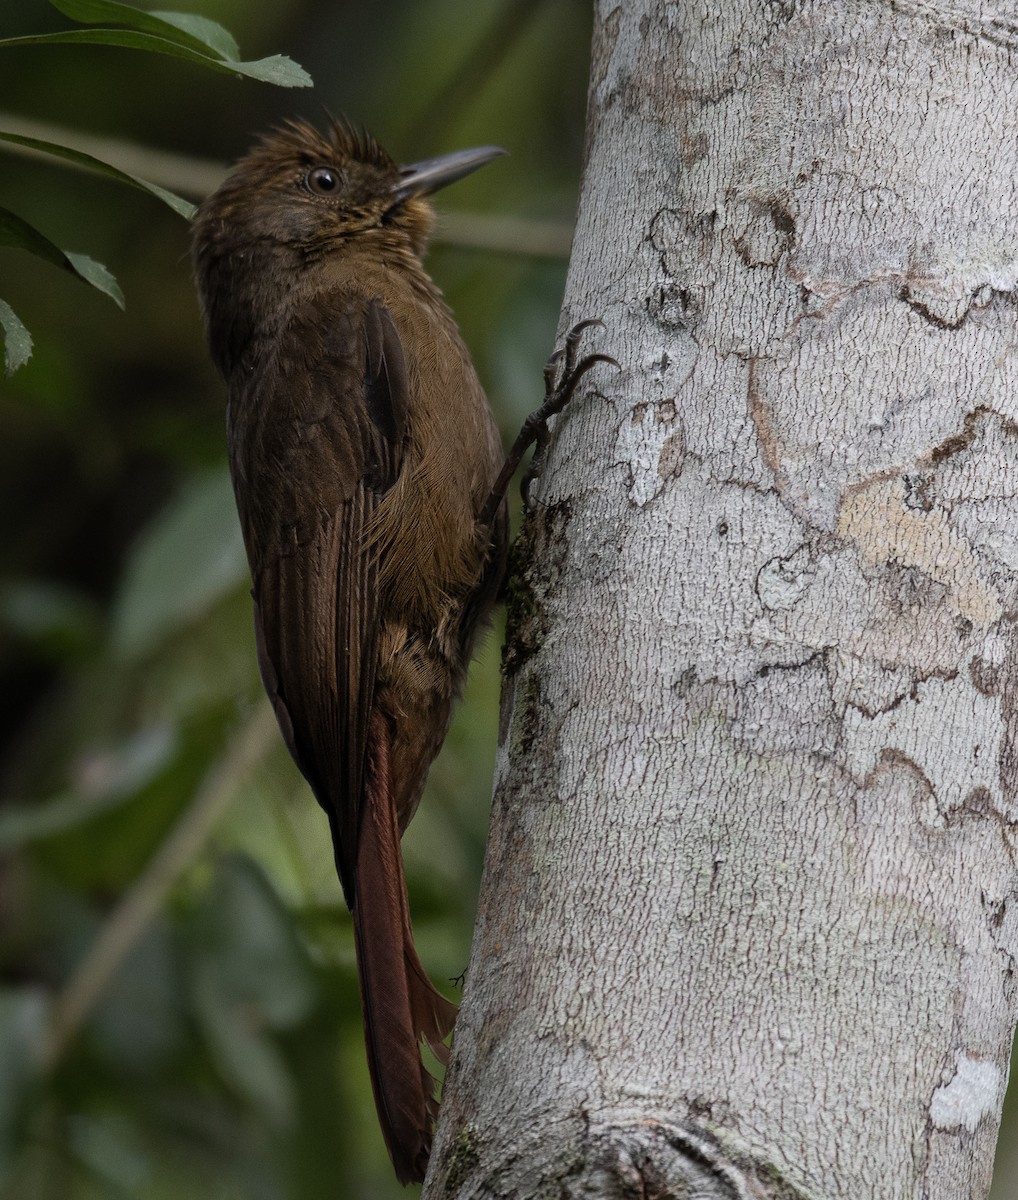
{"x": 423, "y": 178}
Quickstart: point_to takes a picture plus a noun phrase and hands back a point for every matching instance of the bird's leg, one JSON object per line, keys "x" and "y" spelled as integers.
{"x": 562, "y": 374}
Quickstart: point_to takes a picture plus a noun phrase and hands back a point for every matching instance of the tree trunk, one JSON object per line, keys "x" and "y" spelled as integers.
{"x": 748, "y": 922}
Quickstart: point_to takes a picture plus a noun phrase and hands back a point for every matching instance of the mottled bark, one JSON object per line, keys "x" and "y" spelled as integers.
{"x": 748, "y": 922}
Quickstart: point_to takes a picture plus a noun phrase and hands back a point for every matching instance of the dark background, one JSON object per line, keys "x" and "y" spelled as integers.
{"x": 223, "y": 1058}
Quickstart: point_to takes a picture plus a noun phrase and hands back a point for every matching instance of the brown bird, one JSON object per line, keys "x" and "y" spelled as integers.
{"x": 365, "y": 462}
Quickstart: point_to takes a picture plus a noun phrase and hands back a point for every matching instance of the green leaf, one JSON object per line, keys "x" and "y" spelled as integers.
{"x": 248, "y": 933}
{"x": 177, "y": 203}
{"x": 198, "y": 32}
{"x": 97, "y": 275}
{"x": 209, "y": 33}
{"x": 22, "y": 1017}
{"x": 113, "y": 1149}
{"x": 119, "y": 773}
{"x": 189, "y": 557}
{"x": 277, "y": 69}
{"x": 56, "y": 620}
{"x": 249, "y": 975}
{"x": 141, "y": 1021}
{"x": 15, "y": 231}
{"x": 17, "y": 340}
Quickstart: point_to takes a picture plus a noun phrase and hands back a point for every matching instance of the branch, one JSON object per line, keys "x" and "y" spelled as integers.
{"x": 139, "y": 906}
{"x": 197, "y": 177}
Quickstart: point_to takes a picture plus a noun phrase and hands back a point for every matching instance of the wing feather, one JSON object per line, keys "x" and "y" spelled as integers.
{"x": 322, "y": 433}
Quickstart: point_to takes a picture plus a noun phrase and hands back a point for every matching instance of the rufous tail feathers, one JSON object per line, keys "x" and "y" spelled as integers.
{"x": 401, "y": 1007}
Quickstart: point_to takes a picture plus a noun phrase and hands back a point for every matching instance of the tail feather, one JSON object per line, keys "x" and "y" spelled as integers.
{"x": 401, "y": 1007}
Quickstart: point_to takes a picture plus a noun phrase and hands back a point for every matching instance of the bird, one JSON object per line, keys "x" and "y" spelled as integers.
{"x": 370, "y": 484}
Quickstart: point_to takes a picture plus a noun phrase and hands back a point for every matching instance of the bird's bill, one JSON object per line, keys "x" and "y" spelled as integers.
{"x": 423, "y": 178}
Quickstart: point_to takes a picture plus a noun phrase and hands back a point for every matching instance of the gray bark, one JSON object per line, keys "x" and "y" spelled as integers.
{"x": 748, "y": 922}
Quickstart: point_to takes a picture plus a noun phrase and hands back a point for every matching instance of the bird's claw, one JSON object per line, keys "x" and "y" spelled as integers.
{"x": 562, "y": 375}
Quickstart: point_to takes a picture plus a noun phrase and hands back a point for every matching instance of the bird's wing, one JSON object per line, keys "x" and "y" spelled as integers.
{"x": 316, "y": 443}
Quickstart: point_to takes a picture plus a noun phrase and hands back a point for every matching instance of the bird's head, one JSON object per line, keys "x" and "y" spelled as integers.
{"x": 315, "y": 193}
{"x": 297, "y": 198}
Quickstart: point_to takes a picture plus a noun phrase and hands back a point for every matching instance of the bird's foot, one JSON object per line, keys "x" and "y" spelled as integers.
{"x": 562, "y": 375}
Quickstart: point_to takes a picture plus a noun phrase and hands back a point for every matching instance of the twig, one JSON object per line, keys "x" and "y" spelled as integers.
{"x": 475, "y": 68}
{"x": 197, "y": 177}
{"x": 136, "y": 910}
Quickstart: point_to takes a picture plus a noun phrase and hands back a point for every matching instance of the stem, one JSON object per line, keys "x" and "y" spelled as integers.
{"x": 140, "y": 904}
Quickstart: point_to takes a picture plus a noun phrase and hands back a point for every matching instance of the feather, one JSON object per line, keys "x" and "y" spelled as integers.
{"x": 362, "y": 449}
{"x": 401, "y": 1007}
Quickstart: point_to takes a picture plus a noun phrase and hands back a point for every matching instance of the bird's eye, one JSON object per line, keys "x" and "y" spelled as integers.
{"x": 323, "y": 180}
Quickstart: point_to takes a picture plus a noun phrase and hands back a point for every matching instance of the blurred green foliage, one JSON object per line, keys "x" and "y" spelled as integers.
{"x": 178, "y": 999}
{"x": 193, "y": 38}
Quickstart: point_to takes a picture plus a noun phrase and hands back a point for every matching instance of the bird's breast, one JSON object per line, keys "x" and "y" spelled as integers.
{"x": 435, "y": 553}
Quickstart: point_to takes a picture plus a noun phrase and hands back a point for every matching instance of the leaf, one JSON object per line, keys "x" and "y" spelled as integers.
{"x": 247, "y": 1059}
{"x": 248, "y": 933}
{"x": 22, "y": 1015}
{"x": 114, "y": 1151}
{"x": 210, "y": 33}
{"x": 140, "y": 1020}
{"x": 57, "y": 620}
{"x": 177, "y": 203}
{"x": 249, "y": 975}
{"x": 198, "y": 32}
{"x": 117, "y": 775}
{"x": 189, "y": 557}
{"x": 277, "y": 69}
{"x": 96, "y": 274}
{"x": 17, "y": 340}
{"x": 15, "y": 231}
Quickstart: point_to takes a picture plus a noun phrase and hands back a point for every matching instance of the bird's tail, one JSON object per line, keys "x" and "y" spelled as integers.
{"x": 401, "y": 1007}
